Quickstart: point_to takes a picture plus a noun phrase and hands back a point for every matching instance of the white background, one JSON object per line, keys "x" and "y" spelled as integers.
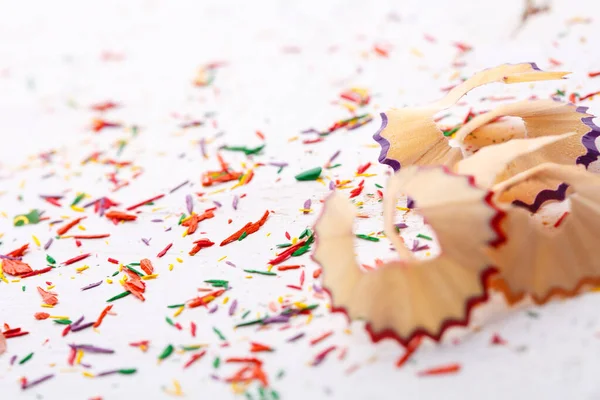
{"x": 51, "y": 70}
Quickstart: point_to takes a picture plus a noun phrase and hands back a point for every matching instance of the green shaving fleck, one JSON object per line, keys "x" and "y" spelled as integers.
{"x": 367, "y": 237}
{"x": 420, "y": 235}
{"x": 309, "y": 175}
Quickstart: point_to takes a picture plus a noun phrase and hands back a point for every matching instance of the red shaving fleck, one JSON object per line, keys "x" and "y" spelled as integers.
{"x": 284, "y": 255}
{"x": 15, "y": 267}
{"x": 257, "y": 347}
{"x": 497, "y": 339}
{"x": 204, "y": 300}
{"x": 249, "y": 229}
{"x": 36, "y": 272}
{"x": 443, "y": 370}
{"x": 561, "y": 219}
{"x": 429, "y": 38}
{"x": 554, "y": 62}
{"x": 99, "y": 124}
{"x": 72, "y": 355}
{"x": 133, "y": 207}
{"x": 64, "y": 229}
{"x": 77, "y": 258}
{"x": 192, "y": 222}
{"x": 317, "y": 273}
{"x": 53, "y": 201}
{"x": 287, "y": 236}
{"x": 363, "y": 168}
{"x": 193, "y": 328}
{"x": 260, "y": 135}
{"x": 49, "y": 298}
{"x": 120, "y": 216}
{"x": 381, "y": 51}
{"x": 146, "y": 266}
{"x": 102, "y": 315}
{"x": 594, "y": 74}
{"x": 356, "y": 191}
{"x": 41, "y": 315}
{"x": 413, "y": 345}
{"x": 199, "y": 245}
{"x": 463, "y": 47}
{"x": 286, "y": 267}
{"x": 104, "y": 106}
{"x": 112, "y": 260}
{"x": 589, "y": 95}
{"x": 20, "y": 252}
{"x": 194, "y": 358}
{"x": 321, "y": 338}
{"x": 66, "y": 331}
{"x": 164, "y": 251}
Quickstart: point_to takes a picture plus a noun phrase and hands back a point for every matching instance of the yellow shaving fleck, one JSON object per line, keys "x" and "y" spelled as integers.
{"x": 147, "y": 277}
{"x": 179, "y": 311}
{"x": 87, "y": 374}
{"x": 81, "y": 269}
{"x": 79, "y": 356}
{"x": 81, "y": 227}
{"x": 170, "y": 267}
{"x": 50, "y": 287}
{"x": 58, "y": 317}
{"x": 77, "y": 209}
{"x": 109, "y": 280}
{"x": 47, "y": 306}
{"x": 179, "y": 260}
{"x": 402, "y": 208}
{"x": 222, "y": 258}
{"x": 225, "y": 300}
{"x": 36, "y": 240}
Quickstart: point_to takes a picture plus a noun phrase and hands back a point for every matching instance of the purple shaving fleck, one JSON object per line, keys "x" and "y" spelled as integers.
{"x": 82, "y": 326}
{"x": 101, "y": 206}
{"x": 91, "y": 348}
{"x": 295, "y": 337}
{"x": 146, "y": 241}
{"x": 276, "y": 319}
{"x": 334, "y": 156}
{"x": 317, "y": 288}
{"x": 13, "y": 359}
{"x": 236, "y": 199}
{"x": 168, "y": 229}
{"x": 401, "y": 225}
{"x": 11, "y": 258}
{"x": 36, "y": 382}
{"x": 307, "y": 204}
{"x": 278, "y": 164}
{"x": 48, "y": 243}
{"x": 156, "y": 220}
{"x": 179, "y": 186}
{"x": 189, "y": 203}
{"x": 217, "y": 203}
{"x": 331, "y": 185}
{"x": 80, "y": 320}
{"x": 91, "y": 286}
{"x": 203, "y": 147}
{"x": 230, "y": 264}
{"x": 213, "y": 310}
{"x": 111, "y": 372}
{"x": 233, "y": 307}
